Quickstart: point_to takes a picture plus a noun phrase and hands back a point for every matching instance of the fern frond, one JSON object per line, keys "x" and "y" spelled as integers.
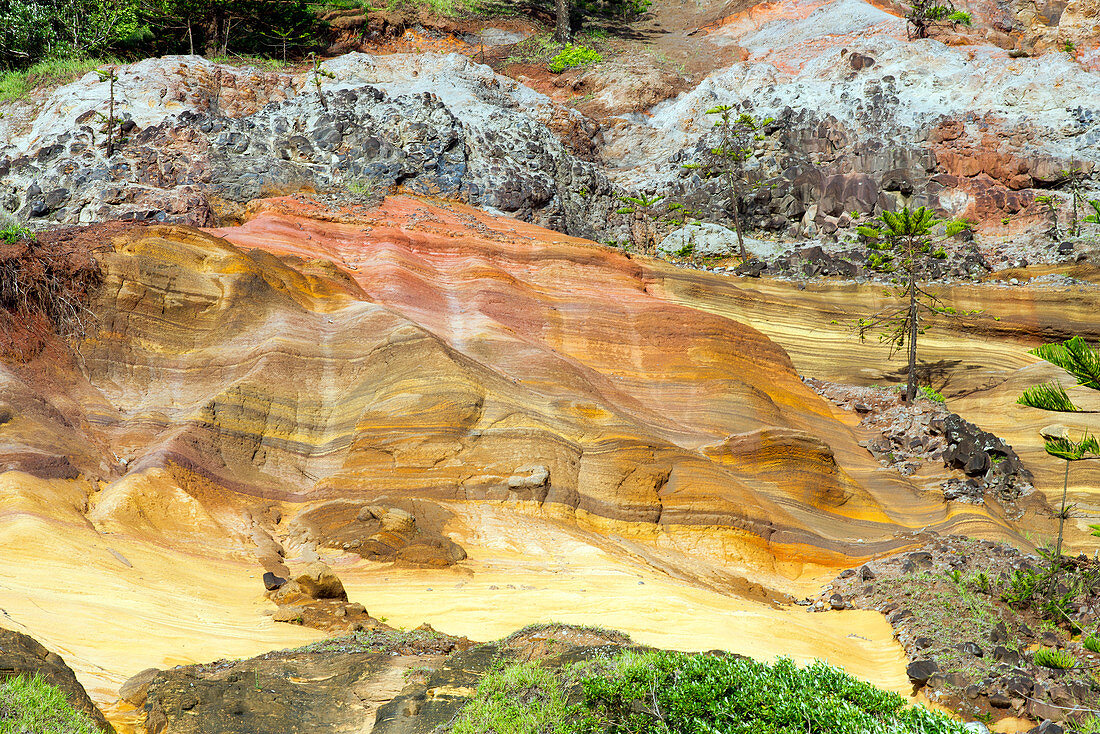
{"x": 1075, "y": 357}
{"x": 1047, "y": 396}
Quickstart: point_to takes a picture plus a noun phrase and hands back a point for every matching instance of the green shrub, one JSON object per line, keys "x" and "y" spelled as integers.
{"x": 930, "y": 394}
{"x": 13, "y": 232}
{"x": 30, "y": 705}
{"x": 1092, "y": 643}
{"x": 572, "y": 56}
{"x": 656, "y": 692}
{"x": 651, "y": 692}
{"x": 1058, "y": 659}
{"x": 518, "y": 699}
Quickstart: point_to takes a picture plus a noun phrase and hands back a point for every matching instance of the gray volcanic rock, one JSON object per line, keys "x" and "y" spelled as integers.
{"x": 462, "y": 133}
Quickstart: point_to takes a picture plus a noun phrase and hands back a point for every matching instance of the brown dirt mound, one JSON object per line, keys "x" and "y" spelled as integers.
{"x": 45, "y": 282}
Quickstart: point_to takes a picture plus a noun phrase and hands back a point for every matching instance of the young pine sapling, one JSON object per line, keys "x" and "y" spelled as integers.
{"x": 319, "y": 73}
{"x": 643, "y": 222}
{"x": 109, "y": 121}
{"x": 905, "y": 243}
{"x": 736, "y": 144}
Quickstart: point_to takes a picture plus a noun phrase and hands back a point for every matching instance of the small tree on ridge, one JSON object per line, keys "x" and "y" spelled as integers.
{"x": 902, "y": 242}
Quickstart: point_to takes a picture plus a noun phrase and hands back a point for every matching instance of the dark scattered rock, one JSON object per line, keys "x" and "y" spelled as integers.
{"x": 971, "y": 648}
{"x": 272, "y": 582}
{"x": 865, "y": 573}
{"x": 919, "y": 671}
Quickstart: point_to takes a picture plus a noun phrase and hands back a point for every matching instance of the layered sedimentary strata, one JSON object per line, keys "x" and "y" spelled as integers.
{"x": 474, "y": 421}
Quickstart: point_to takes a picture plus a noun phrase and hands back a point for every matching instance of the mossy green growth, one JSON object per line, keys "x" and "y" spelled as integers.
{"x": 30, "y": 705}
{"x": 657, "y": 692}
{"x": 572, "y": 56}
{"x": 12, "y": 232}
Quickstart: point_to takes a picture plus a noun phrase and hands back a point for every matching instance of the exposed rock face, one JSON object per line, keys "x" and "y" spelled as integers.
{"x": 479, "y": 427}
{"x": 430, "y": 124}
{"x": 388, "y": 683}
{"x": 866, "y": 120}
{"x": 333, "y": 686}
{"x": 21, "y": 654}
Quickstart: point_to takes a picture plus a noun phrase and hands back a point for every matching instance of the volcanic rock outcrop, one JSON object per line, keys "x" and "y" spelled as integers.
{"x": 863, "y": 120}
{"x": 200, "y": 136}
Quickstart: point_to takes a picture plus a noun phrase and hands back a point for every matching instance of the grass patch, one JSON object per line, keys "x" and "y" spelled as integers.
{"x": 945, "y": 609}
{"x": 660, "y": 692}
{"x": 372, "y": 641}
{"x": 565, "y": 629}
{"x": 30, "y": 705}
{"x": 260, "y": 62}
{"x": 441, "y": 8}
{"x": 18, "y": 84}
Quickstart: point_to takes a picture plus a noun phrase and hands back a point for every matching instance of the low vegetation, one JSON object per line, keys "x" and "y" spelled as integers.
{"x": 15, "y": 84}
{"x": 658, "y": 692}
{"x": 573, "y": 56}
{"x": 30, "y": 705}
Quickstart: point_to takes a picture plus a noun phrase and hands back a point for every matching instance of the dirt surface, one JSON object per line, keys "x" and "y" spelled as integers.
{"x": 46, "y": 281}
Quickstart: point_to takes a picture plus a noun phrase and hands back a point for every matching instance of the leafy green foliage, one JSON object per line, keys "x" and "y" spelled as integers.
{"x": 1094, "y": 218}
{"x": 931, "y": 394}
{"x": 1076, "y": 357}
{"x": 13, "y": 232}
{"x": 1091, "y": 643}
{"x": 1047, "y": 396}
{"x": 31, "y": 30}
{"x": 525, "y": 698}
{"x": 572, "y": 56}
{"x": 1051, "y": 658}
{"x": 657, "y": 692}
{"x": 924, "y": 16}
{"x": 30, "y": 705}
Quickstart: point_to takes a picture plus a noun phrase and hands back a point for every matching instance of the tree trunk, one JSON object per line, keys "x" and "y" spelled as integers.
{"x": 735, "y": 209}
{"x": 1062, "y": 514}
{"x": 563, "y": 31}
{"x": 911, "y": 381}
